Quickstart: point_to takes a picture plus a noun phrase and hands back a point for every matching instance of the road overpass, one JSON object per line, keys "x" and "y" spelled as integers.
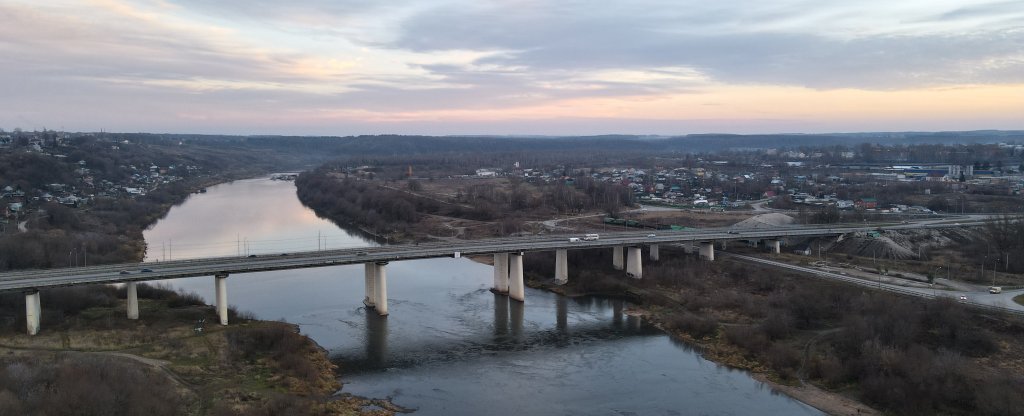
{"x": 507, "y": 252}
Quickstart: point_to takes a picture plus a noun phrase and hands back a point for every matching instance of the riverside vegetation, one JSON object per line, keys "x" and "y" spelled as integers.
{"x": 901, "y": 355}
{"x": 90, "y": 359}
{"x": 93, "y": 361}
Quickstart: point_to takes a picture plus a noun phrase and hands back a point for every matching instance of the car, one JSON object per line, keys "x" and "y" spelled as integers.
{"x": 284, "y": 254}
{"x": 146, "y": 270}
{"x": 963, "y": 298}
{"x": 125, "y": 272}
{"x": 733, "y": 232}
{"x": 252, "y": 255}
{"x": 361, "y": 253}
{"x": 651, "y": 235}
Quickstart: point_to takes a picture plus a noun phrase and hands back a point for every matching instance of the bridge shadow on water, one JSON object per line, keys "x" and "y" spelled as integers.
{"x": 507, "y": 332}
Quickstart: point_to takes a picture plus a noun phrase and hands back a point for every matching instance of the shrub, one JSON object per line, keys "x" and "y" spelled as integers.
{"x": 694, "y": 325}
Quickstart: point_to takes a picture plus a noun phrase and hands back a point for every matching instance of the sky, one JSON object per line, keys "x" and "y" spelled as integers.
{"x": 511, "y": 67}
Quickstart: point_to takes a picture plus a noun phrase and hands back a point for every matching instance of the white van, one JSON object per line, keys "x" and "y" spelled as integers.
{"x": 995, "y": 289}
{"x": 591, "y": 237}
{"x": 574, "y": 239}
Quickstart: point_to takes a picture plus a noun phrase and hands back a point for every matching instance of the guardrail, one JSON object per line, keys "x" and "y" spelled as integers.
{"x": 321, "y": 258}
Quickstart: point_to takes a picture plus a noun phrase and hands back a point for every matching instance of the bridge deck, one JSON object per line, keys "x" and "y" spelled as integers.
{"x": 39, "y": 279}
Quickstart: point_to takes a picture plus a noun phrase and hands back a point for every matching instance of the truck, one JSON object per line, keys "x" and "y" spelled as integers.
{"x": 591, "y": 237}
{"x": 995, "y": 289}
{"x": 574, "y": 239}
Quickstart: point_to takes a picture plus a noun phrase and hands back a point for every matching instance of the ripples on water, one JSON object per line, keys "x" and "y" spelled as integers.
{"x": 449, "y": 346}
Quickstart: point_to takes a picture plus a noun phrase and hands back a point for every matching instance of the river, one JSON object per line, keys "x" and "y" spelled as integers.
{"x": 449, "y": 346}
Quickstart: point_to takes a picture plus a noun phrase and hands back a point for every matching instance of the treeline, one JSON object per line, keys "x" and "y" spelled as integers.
{"x": 110, "y": 231}
{"x": 107, "y": 229}
{"x": 584, "y": 194}
{"x": 901, "y": 355}
{"x": 361, "y": 203}
{"x": 385, "y": 145}
{"x": 1000, "y": 246}
{"x": 386, "y": 207}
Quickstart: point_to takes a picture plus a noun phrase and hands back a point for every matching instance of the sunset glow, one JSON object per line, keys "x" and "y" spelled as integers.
{"x": 501, "y": 67}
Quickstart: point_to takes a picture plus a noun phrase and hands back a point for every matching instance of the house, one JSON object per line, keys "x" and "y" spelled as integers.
{"x": 866, "y": 203}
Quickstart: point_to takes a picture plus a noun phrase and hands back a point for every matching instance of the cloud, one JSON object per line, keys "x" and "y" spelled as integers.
{"x": 261, "y": 63}
{"x": 549, "y": 39}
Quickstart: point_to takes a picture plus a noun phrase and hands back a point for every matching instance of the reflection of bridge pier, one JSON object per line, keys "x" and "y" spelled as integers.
{"x": 562, "y": 314}
{"x": 516, "y": 312}
{"x": 500, "y": 315}
{"x": 376, "y": 338}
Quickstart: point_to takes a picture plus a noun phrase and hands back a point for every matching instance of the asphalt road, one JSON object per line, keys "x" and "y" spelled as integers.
{"x": 37, "y": 279}
{"x": 1003, "y": 301}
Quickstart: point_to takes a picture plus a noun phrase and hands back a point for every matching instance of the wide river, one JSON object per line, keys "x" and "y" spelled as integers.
{"x": 449, "y": 346}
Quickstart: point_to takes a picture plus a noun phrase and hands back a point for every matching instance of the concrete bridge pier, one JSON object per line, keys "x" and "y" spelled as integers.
{"x": 722, "y": 244}
{"x": 707, "y": 251}
{"x": 753, "y": 243}
{"x": 380, "y": 287}
{"x": 774, "y": 245}
{"x": 500, "y": 273}
{"x": 133, "y": 300}
{"x": 369, "y": 282}
{"x": 653, "y": 255}
{"x": 617, "y": 259}
{"x": 634, "y": 267}
{"x": 222, "y": 297}
{"x": 561, "y": 266}
{"x": 516, "y": 286}
{"x": 33, "y": 309}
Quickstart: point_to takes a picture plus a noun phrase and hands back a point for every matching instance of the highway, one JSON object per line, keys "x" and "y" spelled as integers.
{"x": 981, "y": 299}
{"x": 29, "y": 280}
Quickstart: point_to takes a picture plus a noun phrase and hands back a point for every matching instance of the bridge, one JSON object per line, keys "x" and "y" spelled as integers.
{"x": 508, "y": 261}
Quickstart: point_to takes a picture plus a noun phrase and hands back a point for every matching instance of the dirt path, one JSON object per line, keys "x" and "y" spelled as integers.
{"x": 150, "y": 362}
{"x": 831, "y": 403}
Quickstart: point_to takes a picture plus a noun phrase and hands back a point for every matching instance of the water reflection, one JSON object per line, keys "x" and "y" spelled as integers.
{"x": 562, "y": 314}
{"x": 253, "y": 216}
{"x": 500, "y": 316}
{"x": 449, "y": 346}
{"x": 376, "y": 339}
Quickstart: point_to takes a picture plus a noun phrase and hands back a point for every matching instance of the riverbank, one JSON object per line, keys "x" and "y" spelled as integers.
{"x": 248, "y": 367}
{"x": 718, "y": 352}
{"x": 721, "y": 353}
{"x": 814, "y": 341}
